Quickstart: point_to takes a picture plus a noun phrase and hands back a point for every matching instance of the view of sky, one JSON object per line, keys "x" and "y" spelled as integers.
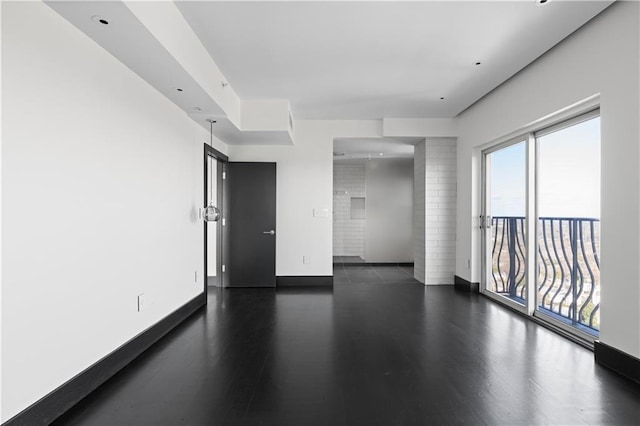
{"x": 568, "y": 174}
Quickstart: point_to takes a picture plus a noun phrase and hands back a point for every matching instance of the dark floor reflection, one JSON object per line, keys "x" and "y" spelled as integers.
{"x": 360, "y": 354}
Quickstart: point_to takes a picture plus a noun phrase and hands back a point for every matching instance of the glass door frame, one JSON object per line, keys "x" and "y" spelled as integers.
{"x": 582, "y": 116}
{"x": 222, "y": 243}
{"x": 530, "y": 138}
{"x": 486, "y": 224}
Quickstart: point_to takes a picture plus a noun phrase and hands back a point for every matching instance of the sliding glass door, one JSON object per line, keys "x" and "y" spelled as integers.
{"x": 546, "y": 185}
{"x": 505, "y": 221}
{"x": 568, "y": 170}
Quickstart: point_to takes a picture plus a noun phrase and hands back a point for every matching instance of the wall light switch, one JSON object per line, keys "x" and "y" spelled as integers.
{"x": 306, "y": 260}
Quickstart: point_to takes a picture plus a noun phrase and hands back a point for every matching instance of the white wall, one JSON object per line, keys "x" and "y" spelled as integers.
{"x": 389, "y": 210}
{"x": 102, "y": 176}
{"x": 305, "y": 183}
{"x": 601, "y": 58}
{"x": 348, "y": 233}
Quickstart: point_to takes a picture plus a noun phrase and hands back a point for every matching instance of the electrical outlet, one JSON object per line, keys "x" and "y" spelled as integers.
{"x": 196, "y": 276}
{"x": 142, "y": 302}
{"x": 306, "y": 260}
{"x": 468, "y": 263}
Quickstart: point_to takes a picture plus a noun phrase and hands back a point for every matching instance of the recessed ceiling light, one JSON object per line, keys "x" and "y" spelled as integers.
{"x": 542, "y": 2}
{"x": 381, "y": 154}
{"x": 442, "y": 98}
{"x": 477, "y": 63}
{"x": 197, "y": 108}
{"x": 99, "y": 20}
{"x": 178, "y": 89}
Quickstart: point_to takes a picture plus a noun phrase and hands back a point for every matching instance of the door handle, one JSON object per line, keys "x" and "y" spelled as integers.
{"x": 272, "y": 232}
{"x": 486, "y": 222}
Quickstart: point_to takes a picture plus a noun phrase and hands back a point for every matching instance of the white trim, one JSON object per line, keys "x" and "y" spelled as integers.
{"x": 484, "y": 240}
{"x": 531, "y": 223}
{"x": 581, "y": 118}
{"x": 581, "y": 107}
{"x": 506, "y": 144}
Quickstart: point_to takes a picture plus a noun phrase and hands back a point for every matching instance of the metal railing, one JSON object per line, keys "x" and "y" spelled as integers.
{"x": 568, "y": 266}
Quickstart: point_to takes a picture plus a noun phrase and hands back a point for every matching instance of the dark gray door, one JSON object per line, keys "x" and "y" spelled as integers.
{"x": 252, "y": 224}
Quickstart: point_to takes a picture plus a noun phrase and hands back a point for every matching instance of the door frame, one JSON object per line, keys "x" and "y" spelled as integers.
{"x": 580, "y": 112}
{"x": 211, "y": 152}
{"x": 485, "y": 255}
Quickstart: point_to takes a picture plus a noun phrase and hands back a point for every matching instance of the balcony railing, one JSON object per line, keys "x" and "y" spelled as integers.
{"x": 568, "y": 266}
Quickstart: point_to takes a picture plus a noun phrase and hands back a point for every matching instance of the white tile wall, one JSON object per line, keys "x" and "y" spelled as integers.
{"x": 440, "y": 210}
{"x": 348, "y": 234}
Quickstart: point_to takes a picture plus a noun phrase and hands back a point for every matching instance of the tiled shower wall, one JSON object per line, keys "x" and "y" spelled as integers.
{"x": 348, "y": 234}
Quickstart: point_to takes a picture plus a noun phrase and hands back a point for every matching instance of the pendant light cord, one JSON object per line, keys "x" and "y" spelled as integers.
{"x": 210, "y": 162}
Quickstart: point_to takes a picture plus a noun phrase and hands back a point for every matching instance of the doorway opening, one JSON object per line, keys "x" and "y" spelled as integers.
{"x": 215, "y": 165}
{"x": 373, "y": 183}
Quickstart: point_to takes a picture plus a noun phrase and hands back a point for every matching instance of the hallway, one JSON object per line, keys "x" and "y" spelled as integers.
{"x": 361, "y": 353}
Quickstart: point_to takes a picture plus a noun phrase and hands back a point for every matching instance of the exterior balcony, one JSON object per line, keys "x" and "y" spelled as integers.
{"x": 567, "y": 267}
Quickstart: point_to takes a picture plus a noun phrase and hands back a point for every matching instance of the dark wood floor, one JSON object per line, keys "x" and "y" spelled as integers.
{"x": 393, "y": 353}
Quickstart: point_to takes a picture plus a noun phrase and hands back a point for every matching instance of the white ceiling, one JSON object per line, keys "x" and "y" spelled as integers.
{"x": 370, "y": 60}
{"x": 348, "y": 149}
{"x": 129, "y": 41}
